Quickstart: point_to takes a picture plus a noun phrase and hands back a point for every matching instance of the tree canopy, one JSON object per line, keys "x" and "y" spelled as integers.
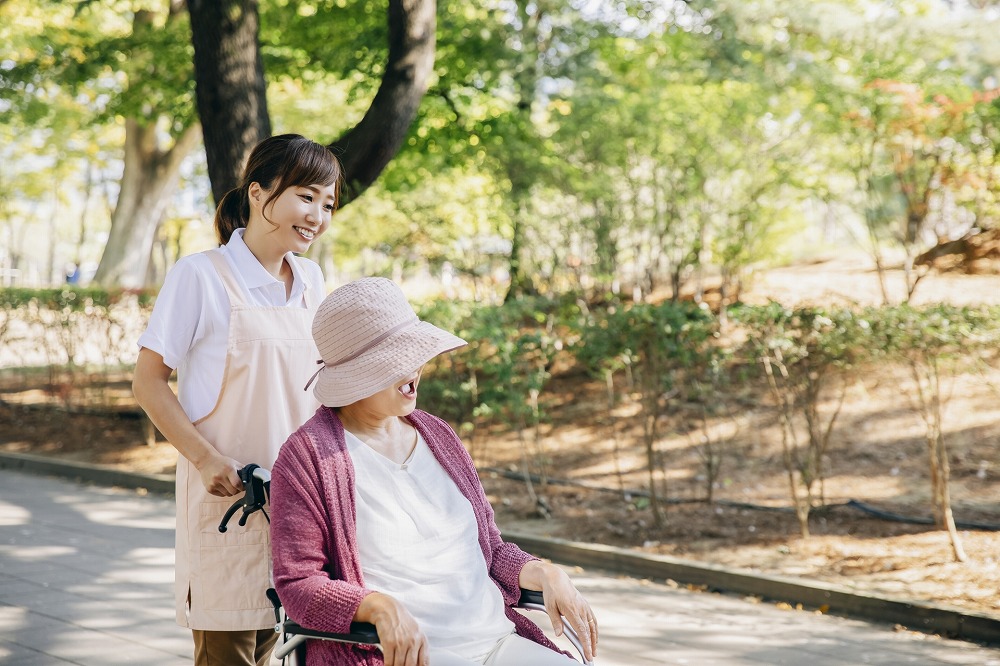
{"x": 560, "y": 146}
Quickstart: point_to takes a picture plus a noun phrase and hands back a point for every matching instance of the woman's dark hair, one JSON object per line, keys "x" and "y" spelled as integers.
{"x": 277, "y": 163}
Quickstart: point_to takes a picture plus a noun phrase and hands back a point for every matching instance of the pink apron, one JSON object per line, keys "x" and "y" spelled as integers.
{"x": 221, "y": 578}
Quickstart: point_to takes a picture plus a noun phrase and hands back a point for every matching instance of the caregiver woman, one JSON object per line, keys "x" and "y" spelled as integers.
{"x": 235, "y": 322}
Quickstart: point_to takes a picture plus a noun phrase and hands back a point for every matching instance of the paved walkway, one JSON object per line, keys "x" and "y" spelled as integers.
{"x": 86, "y": 576}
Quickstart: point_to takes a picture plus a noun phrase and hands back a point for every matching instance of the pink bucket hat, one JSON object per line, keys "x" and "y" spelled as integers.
{"x": 369, "y": 338}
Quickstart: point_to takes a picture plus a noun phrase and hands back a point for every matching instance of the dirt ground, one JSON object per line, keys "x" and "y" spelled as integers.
{"x": 594, "y": 462}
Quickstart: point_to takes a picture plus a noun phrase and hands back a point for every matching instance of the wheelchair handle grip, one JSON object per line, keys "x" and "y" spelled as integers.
{"x": 256, "y": 485}
{"x": 237, "y": 505}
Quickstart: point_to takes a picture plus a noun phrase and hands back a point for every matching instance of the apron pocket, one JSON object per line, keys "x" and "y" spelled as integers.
{"x": 235, "y": 566}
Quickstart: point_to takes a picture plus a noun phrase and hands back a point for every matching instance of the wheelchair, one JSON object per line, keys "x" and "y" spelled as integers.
{"x": 293, "y": 637}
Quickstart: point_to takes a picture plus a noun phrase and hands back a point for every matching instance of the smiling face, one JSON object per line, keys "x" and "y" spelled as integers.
{"x": 397, "y": 400}
{"x": 296, "y": 217}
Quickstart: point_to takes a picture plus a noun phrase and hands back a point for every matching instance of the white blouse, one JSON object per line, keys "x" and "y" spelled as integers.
{"x": 189, "y": 326}
{"x": 419, "y": 543}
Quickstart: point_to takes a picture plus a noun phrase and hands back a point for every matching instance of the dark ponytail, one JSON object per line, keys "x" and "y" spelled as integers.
{"x": 277, "y": 163}
{"x": 232, "y": 214}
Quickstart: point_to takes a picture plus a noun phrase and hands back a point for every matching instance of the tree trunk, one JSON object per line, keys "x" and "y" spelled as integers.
{"x": 649, "y": 438}
{"x": 928, "y": 384}
{"x": 149, "y": 178}
{"x": 369, "y": 146}
{"x": 944, "y": 500}
{"x": 51, "y": 274}
{"x": 941, "y": 468}
{"x": 521, "y": 283}
{"x": 523, "y": 156}
{"x": 789, "y": 445}
{"x": 230, "y": 88}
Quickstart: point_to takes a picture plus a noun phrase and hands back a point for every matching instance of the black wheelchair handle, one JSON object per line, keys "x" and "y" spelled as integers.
{"x": 256, "y": 486}
{"x": 224, "y": 524}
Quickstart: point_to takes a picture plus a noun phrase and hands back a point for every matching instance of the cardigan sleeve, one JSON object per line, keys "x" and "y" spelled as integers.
{"x": 506, "y": 559}
{"x": 308, "y": 575}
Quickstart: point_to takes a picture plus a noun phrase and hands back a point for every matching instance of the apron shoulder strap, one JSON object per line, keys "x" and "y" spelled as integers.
{"x": 313, "y": 297}
{"x": 236, "y": 295}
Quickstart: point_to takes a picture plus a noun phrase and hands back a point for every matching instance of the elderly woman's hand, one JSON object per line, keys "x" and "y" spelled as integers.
{"x": 562, "y": 600}
{"x": 403, "y": 644}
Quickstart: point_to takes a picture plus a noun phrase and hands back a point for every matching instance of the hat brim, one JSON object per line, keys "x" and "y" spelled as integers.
{"x": 394, "y": 359}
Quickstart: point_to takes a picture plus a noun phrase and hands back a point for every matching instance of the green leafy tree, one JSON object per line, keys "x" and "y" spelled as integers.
{"x": 894, "y": 79}
{"x": 230, "y": 74}
{"x": 501, "y": 376}
{"x": 709, "y": 158}
{"x": 935, "y": 343}
{"x": 661, "y": 345}
{"x": 128, "y": 65}
{"x": 807, "y": 356}
{"x": 138, "y": 56}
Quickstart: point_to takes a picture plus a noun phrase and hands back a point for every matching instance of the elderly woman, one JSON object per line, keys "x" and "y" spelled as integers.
{"x": 378, "y": 514}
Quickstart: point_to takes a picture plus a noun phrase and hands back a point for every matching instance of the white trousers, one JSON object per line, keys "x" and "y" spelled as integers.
{"x": 512, "y": 650}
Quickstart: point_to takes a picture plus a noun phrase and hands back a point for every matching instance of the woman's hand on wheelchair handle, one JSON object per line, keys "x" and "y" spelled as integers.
{"x": 402, "y": 641}
{"x": 563, "y": 603}
{"x": 220, "y": 474}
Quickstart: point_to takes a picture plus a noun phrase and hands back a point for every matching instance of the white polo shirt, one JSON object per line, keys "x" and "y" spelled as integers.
{"x": 189, "y": 325}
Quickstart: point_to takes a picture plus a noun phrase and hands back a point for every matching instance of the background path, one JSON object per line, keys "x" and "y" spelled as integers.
{"x": 86, "y": 578}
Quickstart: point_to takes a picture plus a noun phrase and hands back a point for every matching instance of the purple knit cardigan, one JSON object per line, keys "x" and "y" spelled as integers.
{"x": 314, "y": 539}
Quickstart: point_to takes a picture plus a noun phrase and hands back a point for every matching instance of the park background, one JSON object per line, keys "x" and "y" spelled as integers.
{"x": 729, "y": 269}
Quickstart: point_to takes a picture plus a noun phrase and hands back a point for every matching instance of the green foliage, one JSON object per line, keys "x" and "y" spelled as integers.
{"x": 511, "y": 351}
{"x": 634, "y": 144}
{"x": 72, "y": 326}
{"x": 71, "y": 299}
{"x": 307, "y": 40}
{"x": 938, "y": 331}
{"x": 445, "y": 388}
{"x": 806, "y": 355}
{"x": 124, "y": 58}
{"x": 935, "y": 343}
{"x": 807, "y": 341}
{"x": 503, "y": 371}
{"x": 659, "y": 343}
{"x": 663, "y": 347}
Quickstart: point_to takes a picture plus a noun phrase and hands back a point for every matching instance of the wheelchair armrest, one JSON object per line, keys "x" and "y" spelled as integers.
{"x": 294, "y": 635}
{"x": 531, "y": 597}
{"x": 360, "y": 632}
{"x": 363, "y": 632}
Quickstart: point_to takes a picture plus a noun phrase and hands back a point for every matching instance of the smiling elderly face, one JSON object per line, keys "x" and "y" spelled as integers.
{"x": 397, "y": 400}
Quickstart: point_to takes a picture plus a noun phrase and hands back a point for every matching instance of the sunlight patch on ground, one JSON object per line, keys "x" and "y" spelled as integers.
{"x": 115, "y": 517}
{"x": 633, "y": 470}
{"x": 30, "y": 553}
{"x": 115, "y": 512}
{"x": 11, "y": 615}
{"x": 12, "y": 618}
{"x": 152, "y": 556}
{"x": 133, "y": 575}
{"x": 11, "y": 514}
{"x": 847, "y": 486}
